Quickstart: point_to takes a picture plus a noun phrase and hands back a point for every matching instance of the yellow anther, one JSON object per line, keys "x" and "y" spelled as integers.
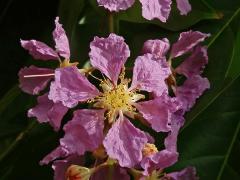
{"x": 149, "y": 149}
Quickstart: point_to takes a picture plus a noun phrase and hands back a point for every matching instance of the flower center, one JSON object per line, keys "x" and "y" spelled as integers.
{"x": 117, "y": 99}
{"x": 149, "y": 149}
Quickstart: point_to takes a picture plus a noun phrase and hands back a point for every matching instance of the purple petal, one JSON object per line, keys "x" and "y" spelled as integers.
{"x": 159, "y": 9}
{"x": 39, "y": 50}
{"x": 191, "y": 90}
{"x": 59, "y": 152}
{"x": 113, "y": 5}
{"x": 177, "y": 120}
{"x": 47, "y": 111}
{"x": 109, "y": 55}
{"x": 184, "y": 6}
{"x": 159, "y": 160}
{"x": 70, "y": 87}
{"x": 111, "y": 172}
{"x": 33, "y": 85}
{"x": 84, "y": 132}
{"x": 124, "y": 142}
{"x": 158, "y": 112}
{"x": 188, "y": 173}
{"x": 195, "y": 64}
{"x": 61, "y": 40}
{"x": 60, "y": 166}
{"x": 149, "y": 75}
{"x": 156, "y": 47}
{"x": 187, "y": 41}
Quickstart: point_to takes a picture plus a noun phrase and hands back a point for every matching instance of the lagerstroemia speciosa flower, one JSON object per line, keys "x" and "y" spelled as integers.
{"x": 151, "y": 9}
{"x": 115, "y": 103}
{"x": 34, "y": 79}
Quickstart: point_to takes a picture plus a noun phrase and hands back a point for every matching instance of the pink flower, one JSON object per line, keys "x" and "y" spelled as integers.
{"x": 151, "y": 9}
{"x": 123, "y": 141}
{"x": 191, "y": 68}
{"x": 33, "y": 79}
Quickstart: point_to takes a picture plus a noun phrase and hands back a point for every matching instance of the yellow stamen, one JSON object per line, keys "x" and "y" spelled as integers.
{"x": 149, "y": 149}
{"x": 66, "y": 63}
{"x": 117, "y": 98}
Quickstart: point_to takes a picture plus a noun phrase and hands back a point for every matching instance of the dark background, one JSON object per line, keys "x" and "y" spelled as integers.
{"x": 210, "y": 138}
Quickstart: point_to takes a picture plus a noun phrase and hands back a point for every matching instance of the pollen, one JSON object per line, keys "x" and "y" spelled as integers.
{"x": 117, "y": 98}
{"x": 149, "y": 149}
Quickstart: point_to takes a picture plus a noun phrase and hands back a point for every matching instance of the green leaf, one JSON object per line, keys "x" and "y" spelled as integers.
{"x": 69, "y": 13}
{"x": 176, "y": 22}
{"x": 208, "y": 142}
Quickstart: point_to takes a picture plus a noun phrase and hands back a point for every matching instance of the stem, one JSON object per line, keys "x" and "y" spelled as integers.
{"x": 17, "y": 140}
{"x": 111, "y": 22}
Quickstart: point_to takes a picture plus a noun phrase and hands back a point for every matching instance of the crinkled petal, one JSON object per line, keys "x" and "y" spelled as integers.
{"x": 157, "y": 47}
{"x": 59, "y": 152}
{"x": 60, "y": 166}
{"x": 61, "y": 40}
{"x": 39, "y": 50}
{"x": 184, "y": 6}
{"x": 70, "y": 87}
{"x": 84, "y": 132}
{"x": 124, "y": 142}
{"x": 109, "y": 55}
{"x": 48, "y": 111}
{"x": 177, "y": 121}
{"x": 186, "y": 42}
{"x": 195, "y": 64}
{"x": 111, "y": 172}
{"x": 116, "y": 5}
{"x": 159, "y": 9}
{"x": 149, "y": 74}
{"x": 34, "y": 85}
{"x": 188, "y": 173}
{"x": 158, "y": 112}
{"x": 191, "y": 90}
{"x": 159, "y": 160}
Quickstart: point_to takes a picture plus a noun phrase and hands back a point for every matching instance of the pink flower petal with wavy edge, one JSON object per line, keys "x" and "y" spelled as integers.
{"x": 159, "y": 9}
{"x": 177, "y": 121}
{"x": 124, "y": 142}
{"x": 195, "y": 64}
{"x": 188, "y": 173}
{"x": 191, "y": 90}
{"x": 157, "y": 47}
{"x": 84, "y": 132}
{"x": 109, "y": 55}
{"x": 186, "y": 42}
{"x": 34, "y": 85}
{"x": 184, "y": 6}
{"x": 116, "y": 5}
{"x": 39, "y": 50}
{"x": 59, "y": 152}
{"x": 149, "y": 74}
{"x": 71, "y": 87}
{"x": 159, "y": 160}
{"x": 60, "y": 166}
{"x": 61, "y": 40}
{"x": 48, "y": 111}
{"x": 158, "y": 112}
